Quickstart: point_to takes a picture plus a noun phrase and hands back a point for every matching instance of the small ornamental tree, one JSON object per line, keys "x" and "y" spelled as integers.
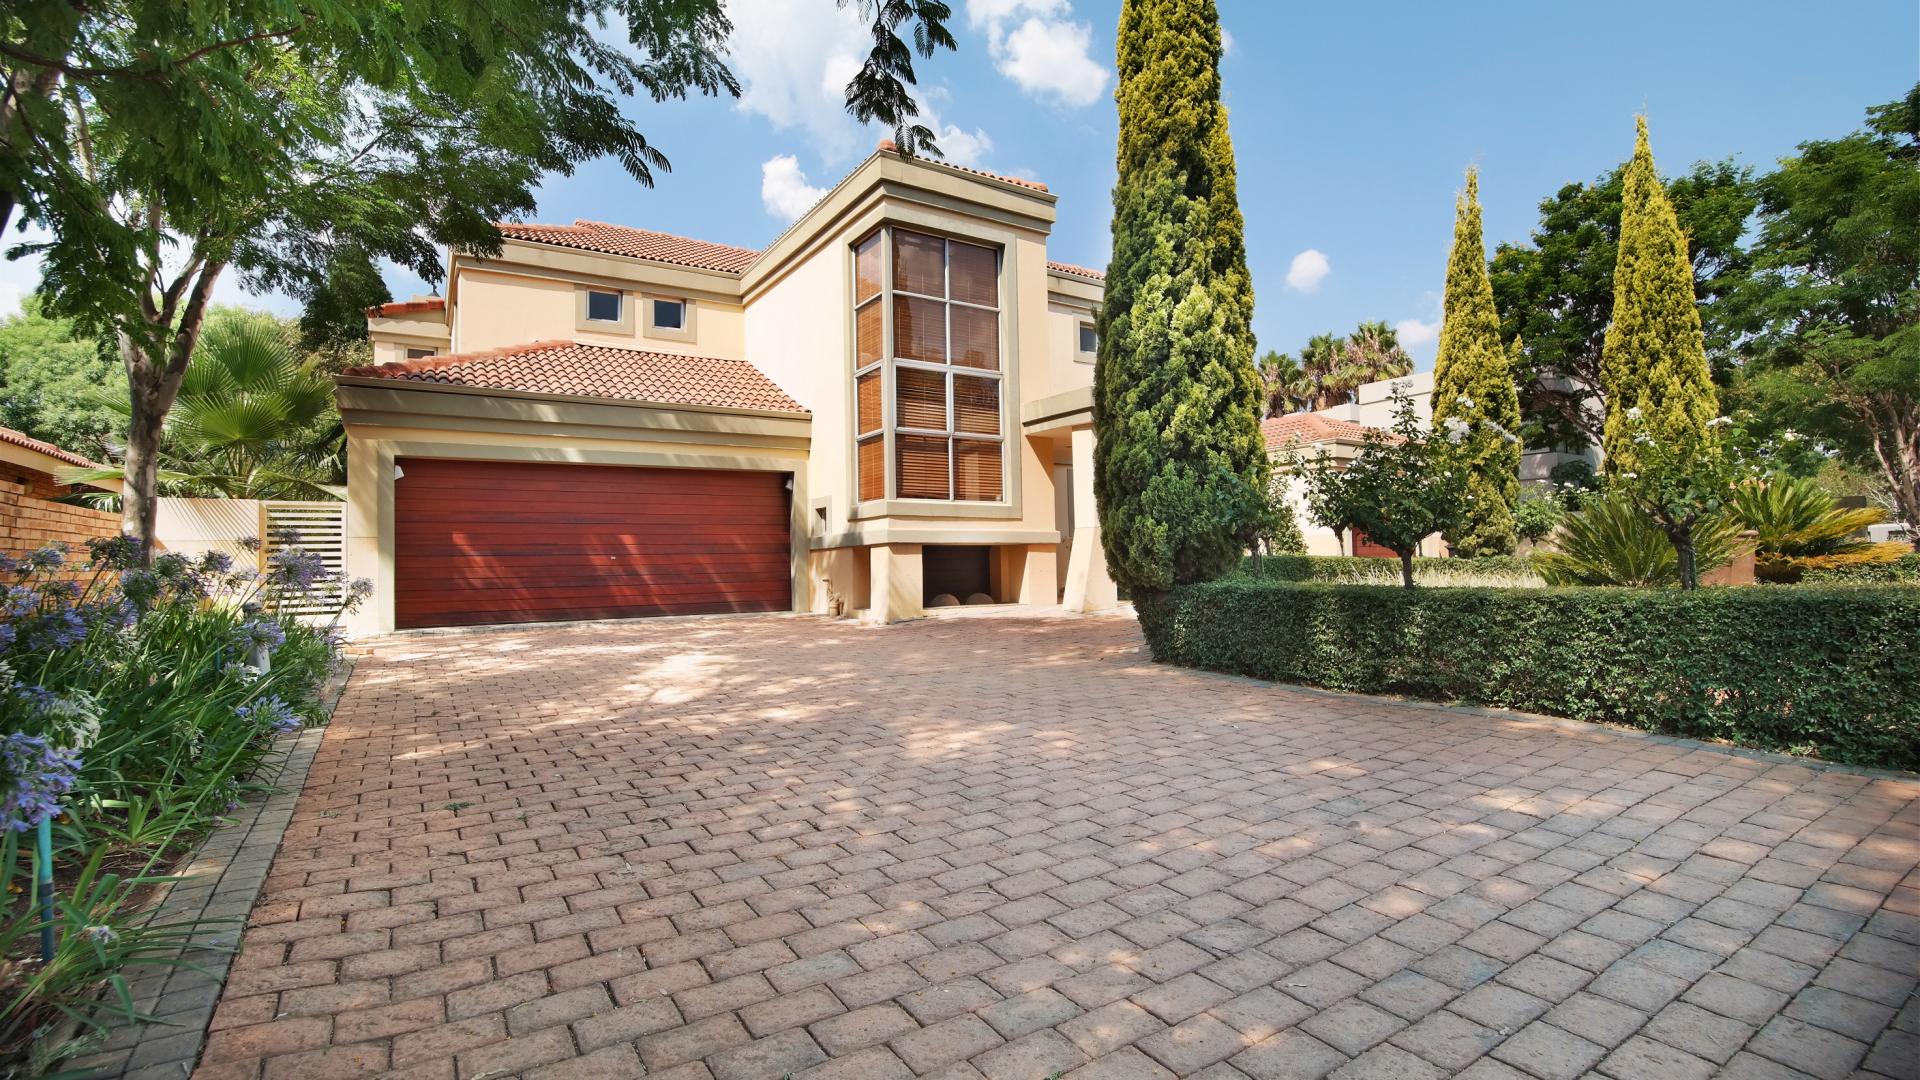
{"x": 1654, "y": 361}
{"x": 1180, "y": 469}
{"x": 1685, "y": 482}
{"x": 1406, "y": 485}
{"x": 1473, "y": 384}
{"x": 1282, "y": 535}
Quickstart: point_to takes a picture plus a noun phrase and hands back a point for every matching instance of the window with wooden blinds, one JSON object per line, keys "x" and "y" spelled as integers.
{"x": 927, "y": 368}
{"x": 873, "y": 467}
{"x": 923, "y": 466}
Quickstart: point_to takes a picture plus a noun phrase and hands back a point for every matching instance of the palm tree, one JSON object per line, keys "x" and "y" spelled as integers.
{"x": 1325, "y": 360}
{"x": 1375, "y": 349}
{"x": 1284, "y": 384}
{"x": 254, "y": 420}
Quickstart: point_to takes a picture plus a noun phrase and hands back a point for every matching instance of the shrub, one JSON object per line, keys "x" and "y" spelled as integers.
{"x": 1807, "y": 670}
{"x": 1610, "y": 541}
{"x": 1405, "y": 485}
{"x": 1862, "y": 570}
{"x": 1426, "y": 571}
{"x": 136, "y": 707}
{"x": 1535, "y": 516}
{"x": 1795, "y": 516}
{"x": 1281, "y": 536}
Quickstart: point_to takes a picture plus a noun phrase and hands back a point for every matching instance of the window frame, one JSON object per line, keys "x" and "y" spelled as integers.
{"x": 619, "y": 306}
{"x": 889, "y": 363}
{"x": 683, "y": 332}
{"x": 1082, "y": 328}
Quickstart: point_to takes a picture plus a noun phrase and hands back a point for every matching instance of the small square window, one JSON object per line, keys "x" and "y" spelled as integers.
{"x": 669, "y": 314}
{"x": 1089, "y": 339}
{"x": 603, "y": 306}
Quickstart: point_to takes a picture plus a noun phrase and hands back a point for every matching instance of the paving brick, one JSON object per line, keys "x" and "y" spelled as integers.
{"x": 694, "y": 889}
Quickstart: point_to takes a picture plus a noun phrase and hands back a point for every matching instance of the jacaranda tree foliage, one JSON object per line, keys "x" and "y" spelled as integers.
{"x": 1654, "y": 363}
{"x": 165, "y": 145}
{"x": 1473, "y": 389}
{"x": 1180, "y": 472}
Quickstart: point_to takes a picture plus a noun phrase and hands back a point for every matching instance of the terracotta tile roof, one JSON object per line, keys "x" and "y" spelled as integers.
{"x": 21, "y": 438}
{"x": 887, "y": 145}
{"x": 406, "y": 307}
{"x": 598, "y": 371}
{"x": 1307, "y": 428}
{"x": 635, "y": 243}
{"x": 1077, "y": 271}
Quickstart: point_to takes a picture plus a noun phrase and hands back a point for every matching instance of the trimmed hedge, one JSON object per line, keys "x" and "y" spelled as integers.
{"x": 1833, "y": 672}
{"x": 1346, "y": 567}
{"x": 1902, "y": 571}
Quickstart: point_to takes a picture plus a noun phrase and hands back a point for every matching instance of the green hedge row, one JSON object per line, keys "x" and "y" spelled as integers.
{"x": 1902, "y": 571}
{"x": 1346, "y": 567}
{"x": 1827, "y": 671}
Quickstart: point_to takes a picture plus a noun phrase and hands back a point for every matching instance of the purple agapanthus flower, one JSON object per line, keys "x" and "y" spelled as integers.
{"x": 259, "y": 632}
{"x": 275, "y": 715}
{"x": 38, "y": 774}
{"x": 48, "y": 558}
{"x": 295, "y": 570}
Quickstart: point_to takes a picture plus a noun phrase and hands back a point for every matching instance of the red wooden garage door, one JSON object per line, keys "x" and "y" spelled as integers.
{"x": 499, "y": 542}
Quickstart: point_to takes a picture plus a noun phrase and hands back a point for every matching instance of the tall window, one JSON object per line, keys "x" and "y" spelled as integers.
{"x": 927, "y": 330}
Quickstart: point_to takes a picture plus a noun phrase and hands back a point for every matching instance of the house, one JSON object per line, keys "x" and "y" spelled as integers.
{"x": 1339, "y": 431}
{"x": 887, "y": 407}
{"x": 32, "y": 513}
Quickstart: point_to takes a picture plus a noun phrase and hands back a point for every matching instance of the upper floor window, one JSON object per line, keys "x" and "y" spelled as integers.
{"x": 669, "y": 314}
{"x": 419, "y": 354}
{"x": 927, "y": 342}
{"x": 603, "y": 306}
{"x": 1089, "y": 340}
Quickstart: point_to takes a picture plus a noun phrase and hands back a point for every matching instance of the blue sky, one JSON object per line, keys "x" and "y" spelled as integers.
{"x": 1353, "y": 123}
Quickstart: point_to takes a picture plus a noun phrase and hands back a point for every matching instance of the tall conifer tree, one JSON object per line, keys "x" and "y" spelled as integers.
{"x": 1654, "y": 358}
{"x": 1180, "y": 472}
{"x": 1473, "y": 387}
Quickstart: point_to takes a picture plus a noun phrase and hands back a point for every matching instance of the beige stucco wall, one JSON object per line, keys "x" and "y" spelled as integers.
{"x": 497, "y": 310}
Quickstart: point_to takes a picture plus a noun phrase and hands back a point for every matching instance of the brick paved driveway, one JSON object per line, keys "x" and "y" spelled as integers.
{"x": 1012, "y": 848}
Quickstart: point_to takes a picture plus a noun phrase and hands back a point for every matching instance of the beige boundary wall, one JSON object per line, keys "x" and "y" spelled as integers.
{"x": 386, "y": 421}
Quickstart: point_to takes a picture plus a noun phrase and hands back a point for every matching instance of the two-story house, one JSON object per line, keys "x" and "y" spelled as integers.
{"x": 887, "y": 408}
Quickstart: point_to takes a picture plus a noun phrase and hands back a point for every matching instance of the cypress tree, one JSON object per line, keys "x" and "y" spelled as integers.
{"x": 1180, "y": 470}
{"x": 1473, "y": 385}
{"x": 1654, "y": 358}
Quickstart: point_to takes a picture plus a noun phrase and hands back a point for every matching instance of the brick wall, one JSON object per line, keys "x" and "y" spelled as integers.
{"x": 29, "y": 521}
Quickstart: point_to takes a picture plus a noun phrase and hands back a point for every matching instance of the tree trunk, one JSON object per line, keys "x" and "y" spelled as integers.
{"x": 23, "y": 85}
{"x": 1896, "y": 445}
{"x": 1406, "y": 568}
{"x": 1683, "y": 552}
{"x": 153, "y": 382}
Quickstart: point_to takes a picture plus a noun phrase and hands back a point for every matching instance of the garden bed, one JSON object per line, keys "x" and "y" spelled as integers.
{"x": 1832, "y": 672}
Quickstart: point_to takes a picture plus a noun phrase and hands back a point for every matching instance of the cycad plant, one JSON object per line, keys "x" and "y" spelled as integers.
{"x": 254, "y": 420}
{"x": 1611, "y": 542}
{"x": 1796, "y": 520}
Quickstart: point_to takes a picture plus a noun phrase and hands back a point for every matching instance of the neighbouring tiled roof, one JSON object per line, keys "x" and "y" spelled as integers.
{"x": 1077, "y": 271}
{"x": 21, "y": 438}
{"x": 635, "y": 243}
{"x": 406, "y": 307}
{"x": 597, "y": 371}
{"x": 1306, "y": 427}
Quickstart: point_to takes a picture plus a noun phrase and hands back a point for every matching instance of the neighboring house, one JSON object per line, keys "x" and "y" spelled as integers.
{"x": 1304, "y": 436}
{"x": 887, "y": 407}
{"x": 30, "y": 516}
{"x": 1339, "y": 432}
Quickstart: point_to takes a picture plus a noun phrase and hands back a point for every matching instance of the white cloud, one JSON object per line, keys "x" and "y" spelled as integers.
{"x": 1034, "y": 43}
{"x": 1226, "y": 42}
{"x": 794, "y": 59}
{"x": 1413, "y": 332}
{"x": 784, "y": 189}
{"x": 1307, "y": 271}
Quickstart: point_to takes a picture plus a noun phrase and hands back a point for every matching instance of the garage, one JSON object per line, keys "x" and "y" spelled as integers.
{"x": 506, "y": 541}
